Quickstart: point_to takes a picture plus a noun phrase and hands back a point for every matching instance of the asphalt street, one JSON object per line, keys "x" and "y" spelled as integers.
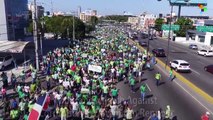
{"x": 198, "y": 75}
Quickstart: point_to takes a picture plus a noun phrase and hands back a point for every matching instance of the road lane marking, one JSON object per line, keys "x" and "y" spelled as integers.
{"x": 186, "y": 91}
{"x": 148, "y": 87}
{"x": 195, "y": 71}
{"x": 199, "y": 91}
{"x": 194, "y": 97}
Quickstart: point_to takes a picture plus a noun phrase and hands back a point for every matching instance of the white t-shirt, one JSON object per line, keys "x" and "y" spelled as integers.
{"x": 26, "y": 89}
{"x": 129, "y": 114}
{"x": 74, "y": 105}
{"x": 113, "y": 109}
{"x": 112, "y": 70}
{"x": 58, "y": 96}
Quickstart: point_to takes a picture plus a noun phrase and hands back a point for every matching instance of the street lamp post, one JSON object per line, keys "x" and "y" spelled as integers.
{"x": 170, "y": 25}
{"x": 169, "y": 36}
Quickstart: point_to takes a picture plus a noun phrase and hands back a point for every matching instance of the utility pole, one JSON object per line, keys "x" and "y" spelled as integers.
{"x": 169, "y": 36}
{"x": 73, "y": 27}
{"x": 35, "y": 33}
{"x": 42, "y": 35}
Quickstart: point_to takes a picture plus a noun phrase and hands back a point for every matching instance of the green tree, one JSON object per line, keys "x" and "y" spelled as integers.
{"x": 118, "y": 18}
{"x": 93, "y": 21}
{"x": 158, "y": 23}
{"x": 63, "y": 26}
{"x": 185, "y": 24}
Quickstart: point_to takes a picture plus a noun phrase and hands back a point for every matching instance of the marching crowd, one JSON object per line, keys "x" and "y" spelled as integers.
{"x": 81, "y": 81}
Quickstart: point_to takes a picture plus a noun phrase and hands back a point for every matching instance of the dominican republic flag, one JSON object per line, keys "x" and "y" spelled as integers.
{"x": 38, "y": 107}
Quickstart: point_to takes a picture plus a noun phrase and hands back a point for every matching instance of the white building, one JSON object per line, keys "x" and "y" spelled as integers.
{"x": 147, "y": 20}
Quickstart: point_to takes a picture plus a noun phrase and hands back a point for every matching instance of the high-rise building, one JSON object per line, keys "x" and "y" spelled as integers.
{"x": 39, "y": 8}
{"x": 79, "y": 11}
{"x": 13, "y": 19}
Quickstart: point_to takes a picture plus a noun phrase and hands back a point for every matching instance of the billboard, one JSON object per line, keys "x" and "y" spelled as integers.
{"x": 189, "y": 3}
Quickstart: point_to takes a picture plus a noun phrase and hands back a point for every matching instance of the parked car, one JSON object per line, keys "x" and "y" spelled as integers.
{"x": 159, "y": 52}
{"x": 193, "y": 46}
{"x": 205, "y": 52}
{"x": 5, "y": 60}
{"x": 142, "y": 43}
{"x": 209, "y": 68}
{"x": 180, "y": 65}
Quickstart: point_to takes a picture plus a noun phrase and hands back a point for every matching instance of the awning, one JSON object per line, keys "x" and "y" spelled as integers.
{"x": 12, "y": 46}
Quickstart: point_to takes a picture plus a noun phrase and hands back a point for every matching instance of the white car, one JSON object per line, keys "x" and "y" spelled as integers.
{"x": 180, "y": 65}
{"x": 5, "y": 60}
{"x": 205, "y": 52}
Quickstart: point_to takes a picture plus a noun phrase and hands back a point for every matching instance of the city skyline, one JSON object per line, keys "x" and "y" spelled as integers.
{"x": 134, "y": 7}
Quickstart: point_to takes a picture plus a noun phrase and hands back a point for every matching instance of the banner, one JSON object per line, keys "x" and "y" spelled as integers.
{"x": 95, "y": 68}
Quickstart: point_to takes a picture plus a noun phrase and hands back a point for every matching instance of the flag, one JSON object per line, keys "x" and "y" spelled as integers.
{"x": 37, "y": 108}
{"x": 46, "y": 105}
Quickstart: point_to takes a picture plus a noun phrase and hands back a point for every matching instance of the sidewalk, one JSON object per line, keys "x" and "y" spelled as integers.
{"x": 188, "y": 42}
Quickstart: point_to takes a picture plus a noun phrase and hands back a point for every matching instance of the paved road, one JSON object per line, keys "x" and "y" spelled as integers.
{"x": 198, "y": 76}
{"x": 169, "y": 93}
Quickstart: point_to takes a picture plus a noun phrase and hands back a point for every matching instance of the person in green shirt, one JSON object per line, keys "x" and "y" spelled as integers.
{"x": 114, "y": 92}
{"x": 143, "y": 90}
{"x": 171, "y": 77}
{"x": 64, "y": 112}
{"x": 132, "y": 83}
{"x": 14, "y": 114}
{"x": 105, "y": 91}
{"x": 157, "y": 78}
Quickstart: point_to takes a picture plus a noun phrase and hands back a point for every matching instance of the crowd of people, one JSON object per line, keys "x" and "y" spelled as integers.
{"x": 81, "y": 81}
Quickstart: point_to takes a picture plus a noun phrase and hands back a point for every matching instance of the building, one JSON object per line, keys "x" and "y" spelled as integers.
{"x": 147, "y": 20}
{"x": 79, "y": 11}
{"x": 40, "y": 9}
{"x": 134, "y": 20}
{"x": 86, "y": 15}
{"x": 13, "y": 19}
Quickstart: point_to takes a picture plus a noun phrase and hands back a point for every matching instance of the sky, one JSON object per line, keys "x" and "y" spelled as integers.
{"x": 135, "y": 7}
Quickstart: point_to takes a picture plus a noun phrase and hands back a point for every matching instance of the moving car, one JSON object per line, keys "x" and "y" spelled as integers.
{"x": 209, "y": 68}
{"x": 142, "y": 43}
{"x": 5, "y": 60}
{"x": 159, "y": 52}
{"x": 205, "y": 52}
{"x": 180, "y": 65}
{"x": 193, "y": 46}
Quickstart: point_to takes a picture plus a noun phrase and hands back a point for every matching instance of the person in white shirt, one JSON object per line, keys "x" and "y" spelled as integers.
{"x": 129, "y": 113}
{"x": 26, "y": 89}
{"x": 75, "y": 107}
{"x": 114, "y": 109}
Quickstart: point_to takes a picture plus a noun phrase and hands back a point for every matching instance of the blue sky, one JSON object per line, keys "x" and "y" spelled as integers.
{"x": 136, "y": 7}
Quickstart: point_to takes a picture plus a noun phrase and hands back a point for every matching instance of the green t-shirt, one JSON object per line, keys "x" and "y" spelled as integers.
{"x": 14, "y": 114}
{"x": 32, "y": 87}
{"x": 25, "y": 117}
{"x": 132, "y": 81}
{"x": 69, "y": 94}
{"x": 114, "y": 92}
{"x": 143, "y": 88}
{"x": 63, "y": 111}
{"x": 95, "y": 98}
{"x": 105, "y": 89}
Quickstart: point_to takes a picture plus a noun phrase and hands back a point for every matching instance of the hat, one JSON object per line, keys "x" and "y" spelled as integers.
{"x": 207, "y": 113}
